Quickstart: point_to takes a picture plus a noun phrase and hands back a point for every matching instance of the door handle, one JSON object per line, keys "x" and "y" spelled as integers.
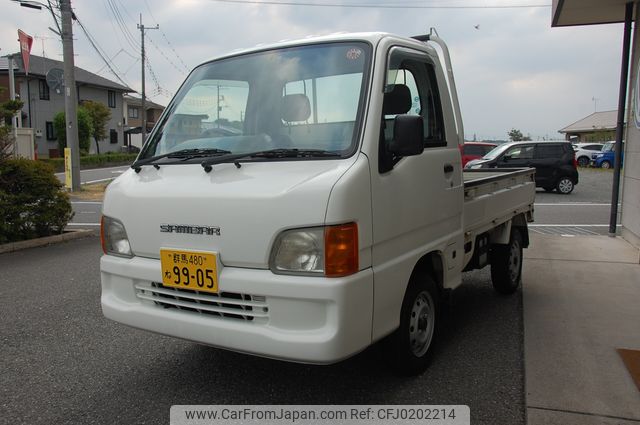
{"x": 448, "y": 168}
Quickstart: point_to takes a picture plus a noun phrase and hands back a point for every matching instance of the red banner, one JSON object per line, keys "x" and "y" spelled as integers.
{"x": 25, "y": 48}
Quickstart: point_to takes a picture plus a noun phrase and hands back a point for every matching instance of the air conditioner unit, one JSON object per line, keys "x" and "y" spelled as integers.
{"x": 38, "y": 133}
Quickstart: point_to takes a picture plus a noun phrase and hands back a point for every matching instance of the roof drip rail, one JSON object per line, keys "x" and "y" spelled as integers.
{"x": 453, "y": 92}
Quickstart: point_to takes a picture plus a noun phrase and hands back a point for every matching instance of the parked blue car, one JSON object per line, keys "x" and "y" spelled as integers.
{"x": 606, "y": 158}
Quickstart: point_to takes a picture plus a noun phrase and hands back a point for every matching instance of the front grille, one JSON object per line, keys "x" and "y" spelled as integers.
{"x": 228, "y": 305}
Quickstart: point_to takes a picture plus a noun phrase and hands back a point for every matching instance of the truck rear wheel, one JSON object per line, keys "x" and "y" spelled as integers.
{"x": 506, "y": 264}
{"x": 410, "y": 347}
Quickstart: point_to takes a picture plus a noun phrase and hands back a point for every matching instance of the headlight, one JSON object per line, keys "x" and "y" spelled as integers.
{"x": 114, "y": 238}
{"x": 474, "y": 166}
{"x": 600, "y": 155}
{"x": 330, "y": 251}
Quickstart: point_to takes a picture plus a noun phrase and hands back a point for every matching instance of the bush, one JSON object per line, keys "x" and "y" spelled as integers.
{"x": 32, "y": 201}
{"x": 84, "y": 130}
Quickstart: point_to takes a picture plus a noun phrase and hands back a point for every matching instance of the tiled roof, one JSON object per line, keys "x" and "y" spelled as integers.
{"x": 39, "y": 66}
{"x": 136, "y": 101}
{"x": 606, "y": 120}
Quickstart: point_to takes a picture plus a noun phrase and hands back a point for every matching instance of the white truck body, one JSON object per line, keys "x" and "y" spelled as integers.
{"x": 422, "y": 214}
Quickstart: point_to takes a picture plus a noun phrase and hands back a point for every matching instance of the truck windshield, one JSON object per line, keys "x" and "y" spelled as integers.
{"x": 307, "y": 98}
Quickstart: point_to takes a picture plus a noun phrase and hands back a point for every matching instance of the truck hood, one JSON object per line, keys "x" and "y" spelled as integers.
{"x": 250, "y": 205}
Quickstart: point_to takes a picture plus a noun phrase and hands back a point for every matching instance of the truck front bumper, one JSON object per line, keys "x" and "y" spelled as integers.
{"x": 296, "y": 318}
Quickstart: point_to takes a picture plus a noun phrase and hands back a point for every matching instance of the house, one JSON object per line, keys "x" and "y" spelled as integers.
{"x": 42, "y": 102}
{"x": 133, "y": 118}
{"x": 597, "y": 127}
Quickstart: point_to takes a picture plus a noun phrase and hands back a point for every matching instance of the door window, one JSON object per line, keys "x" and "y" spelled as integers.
{"x": 414, "y": 71}
{"x": 519, "y": 152}
{"x": 549, "y": 151}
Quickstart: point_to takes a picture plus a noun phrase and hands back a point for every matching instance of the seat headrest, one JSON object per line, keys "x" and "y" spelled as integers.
{"x": 397, "y": 101}
{"x": 295, "y": 107}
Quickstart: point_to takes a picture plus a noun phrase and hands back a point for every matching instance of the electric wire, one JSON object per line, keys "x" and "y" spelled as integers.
{"x": 380, "y": 6}
{"x": 100, "y": 51}
{"x": 175, "y": 52}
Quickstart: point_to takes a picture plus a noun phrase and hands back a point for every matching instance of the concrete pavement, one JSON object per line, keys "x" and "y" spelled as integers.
{"x": 581, "y": 303}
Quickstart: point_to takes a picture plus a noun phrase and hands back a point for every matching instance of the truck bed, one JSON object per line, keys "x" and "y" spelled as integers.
{"x": 492, "y": 197}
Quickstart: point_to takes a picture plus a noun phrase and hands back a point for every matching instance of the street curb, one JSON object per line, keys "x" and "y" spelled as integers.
{"x": 48, "y": 240}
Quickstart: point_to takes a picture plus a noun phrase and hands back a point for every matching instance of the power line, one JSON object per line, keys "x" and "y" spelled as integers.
{"x": 100, "y": 51}
{"x": 166, "y": 57}
{"x": 129, "y": 38}
{"x": 167, "y": 39}
{"x": 159, "y": 90}
{"x": 379, "y": 6}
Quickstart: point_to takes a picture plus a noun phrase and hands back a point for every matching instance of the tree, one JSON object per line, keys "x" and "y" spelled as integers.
{"x": 99, "y": 115}
{"x": 84, "y": 130}
{"x": 7, "y": 110}
{"x": 515, "y": 135}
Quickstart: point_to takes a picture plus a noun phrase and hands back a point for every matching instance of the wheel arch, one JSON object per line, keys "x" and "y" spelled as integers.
{"x": 432, "y": 264}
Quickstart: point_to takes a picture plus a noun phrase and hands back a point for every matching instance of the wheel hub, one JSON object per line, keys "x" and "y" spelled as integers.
{"x": 421, "y": 324}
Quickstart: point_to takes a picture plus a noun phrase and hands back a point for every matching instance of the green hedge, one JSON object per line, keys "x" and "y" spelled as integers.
{"x": 32, "y": 201}
{"x": 92, "y": 161}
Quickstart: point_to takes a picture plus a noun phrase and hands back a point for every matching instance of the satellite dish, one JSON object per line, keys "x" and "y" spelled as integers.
{"x": 55, "y": 79}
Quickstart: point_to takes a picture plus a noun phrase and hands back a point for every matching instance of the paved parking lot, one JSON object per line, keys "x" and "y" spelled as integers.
{"x": 585, "y": 211}
{"x": 64, "y": 363}
{"x": 57, "y": 347}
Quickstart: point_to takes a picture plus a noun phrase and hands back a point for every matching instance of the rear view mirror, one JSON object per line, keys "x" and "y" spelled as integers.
{"x": 408, "y": 135}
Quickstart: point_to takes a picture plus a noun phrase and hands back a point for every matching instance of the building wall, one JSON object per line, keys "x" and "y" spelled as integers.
{"x": 115, "y": 123}
{"x": 630, "y": 218}
{"x": 38, "y": 112}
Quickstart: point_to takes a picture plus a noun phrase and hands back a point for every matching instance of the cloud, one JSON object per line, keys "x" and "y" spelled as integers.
{"x": 514, "y": 71}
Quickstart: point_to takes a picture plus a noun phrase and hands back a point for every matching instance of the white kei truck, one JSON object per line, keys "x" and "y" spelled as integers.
{"x": 304, "y": 200}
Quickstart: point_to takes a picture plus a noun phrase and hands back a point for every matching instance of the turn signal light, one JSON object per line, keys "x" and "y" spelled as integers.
{"x": 341, "y": 250}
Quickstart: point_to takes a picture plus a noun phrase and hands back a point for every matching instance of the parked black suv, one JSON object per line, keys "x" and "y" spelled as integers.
{"x": 555, "y": 162}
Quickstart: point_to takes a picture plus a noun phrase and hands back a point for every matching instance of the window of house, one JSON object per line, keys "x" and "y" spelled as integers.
{"x": 113, "y": 136}
{"x": 43, "y": 88}
{"x": 133, "y": 112}
{"x": 51, "y": 135}
{"x": 112, "y": 98}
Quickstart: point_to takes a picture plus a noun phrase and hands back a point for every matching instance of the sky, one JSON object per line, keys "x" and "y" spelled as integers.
{"x": 512, "y": 69}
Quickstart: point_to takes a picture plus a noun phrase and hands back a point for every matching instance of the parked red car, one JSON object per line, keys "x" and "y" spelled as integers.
{"x": 474, "y": 150}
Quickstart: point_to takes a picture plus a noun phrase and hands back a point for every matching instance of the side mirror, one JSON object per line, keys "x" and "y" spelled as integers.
{"x": 408, "y": 135}
{"x": 506, "y": 158}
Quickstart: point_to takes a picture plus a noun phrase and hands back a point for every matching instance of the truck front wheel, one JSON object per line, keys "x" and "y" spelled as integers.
{"x": 411, "y": 345}
{"x": 506, "y": 264}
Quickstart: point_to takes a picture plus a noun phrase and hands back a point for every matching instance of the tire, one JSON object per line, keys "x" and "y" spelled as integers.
{"x": 549, "y": 189}
{"x": 506, "y": 264}
{"x": 605, "y": 165}
{"x": 410, "y": 347}
{"x": 565, "y": 185}
{"x": 583, "y": 161}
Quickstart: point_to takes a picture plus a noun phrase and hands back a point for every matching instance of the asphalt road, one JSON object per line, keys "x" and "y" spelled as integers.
{"x": 64, "y": 363}
{"x": 584, "y": 212}
{"x": 97, "y": 175}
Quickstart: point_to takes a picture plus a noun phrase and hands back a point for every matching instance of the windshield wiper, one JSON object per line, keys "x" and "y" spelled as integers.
{"x": 271, "y": 153}
{"x": 183, "y": 154}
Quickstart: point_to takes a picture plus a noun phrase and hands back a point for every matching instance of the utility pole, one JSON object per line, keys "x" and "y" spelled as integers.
{"x": 70, "y": 99}
{"x": 141, "y": 27}
{"x": 12, "y": 96}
